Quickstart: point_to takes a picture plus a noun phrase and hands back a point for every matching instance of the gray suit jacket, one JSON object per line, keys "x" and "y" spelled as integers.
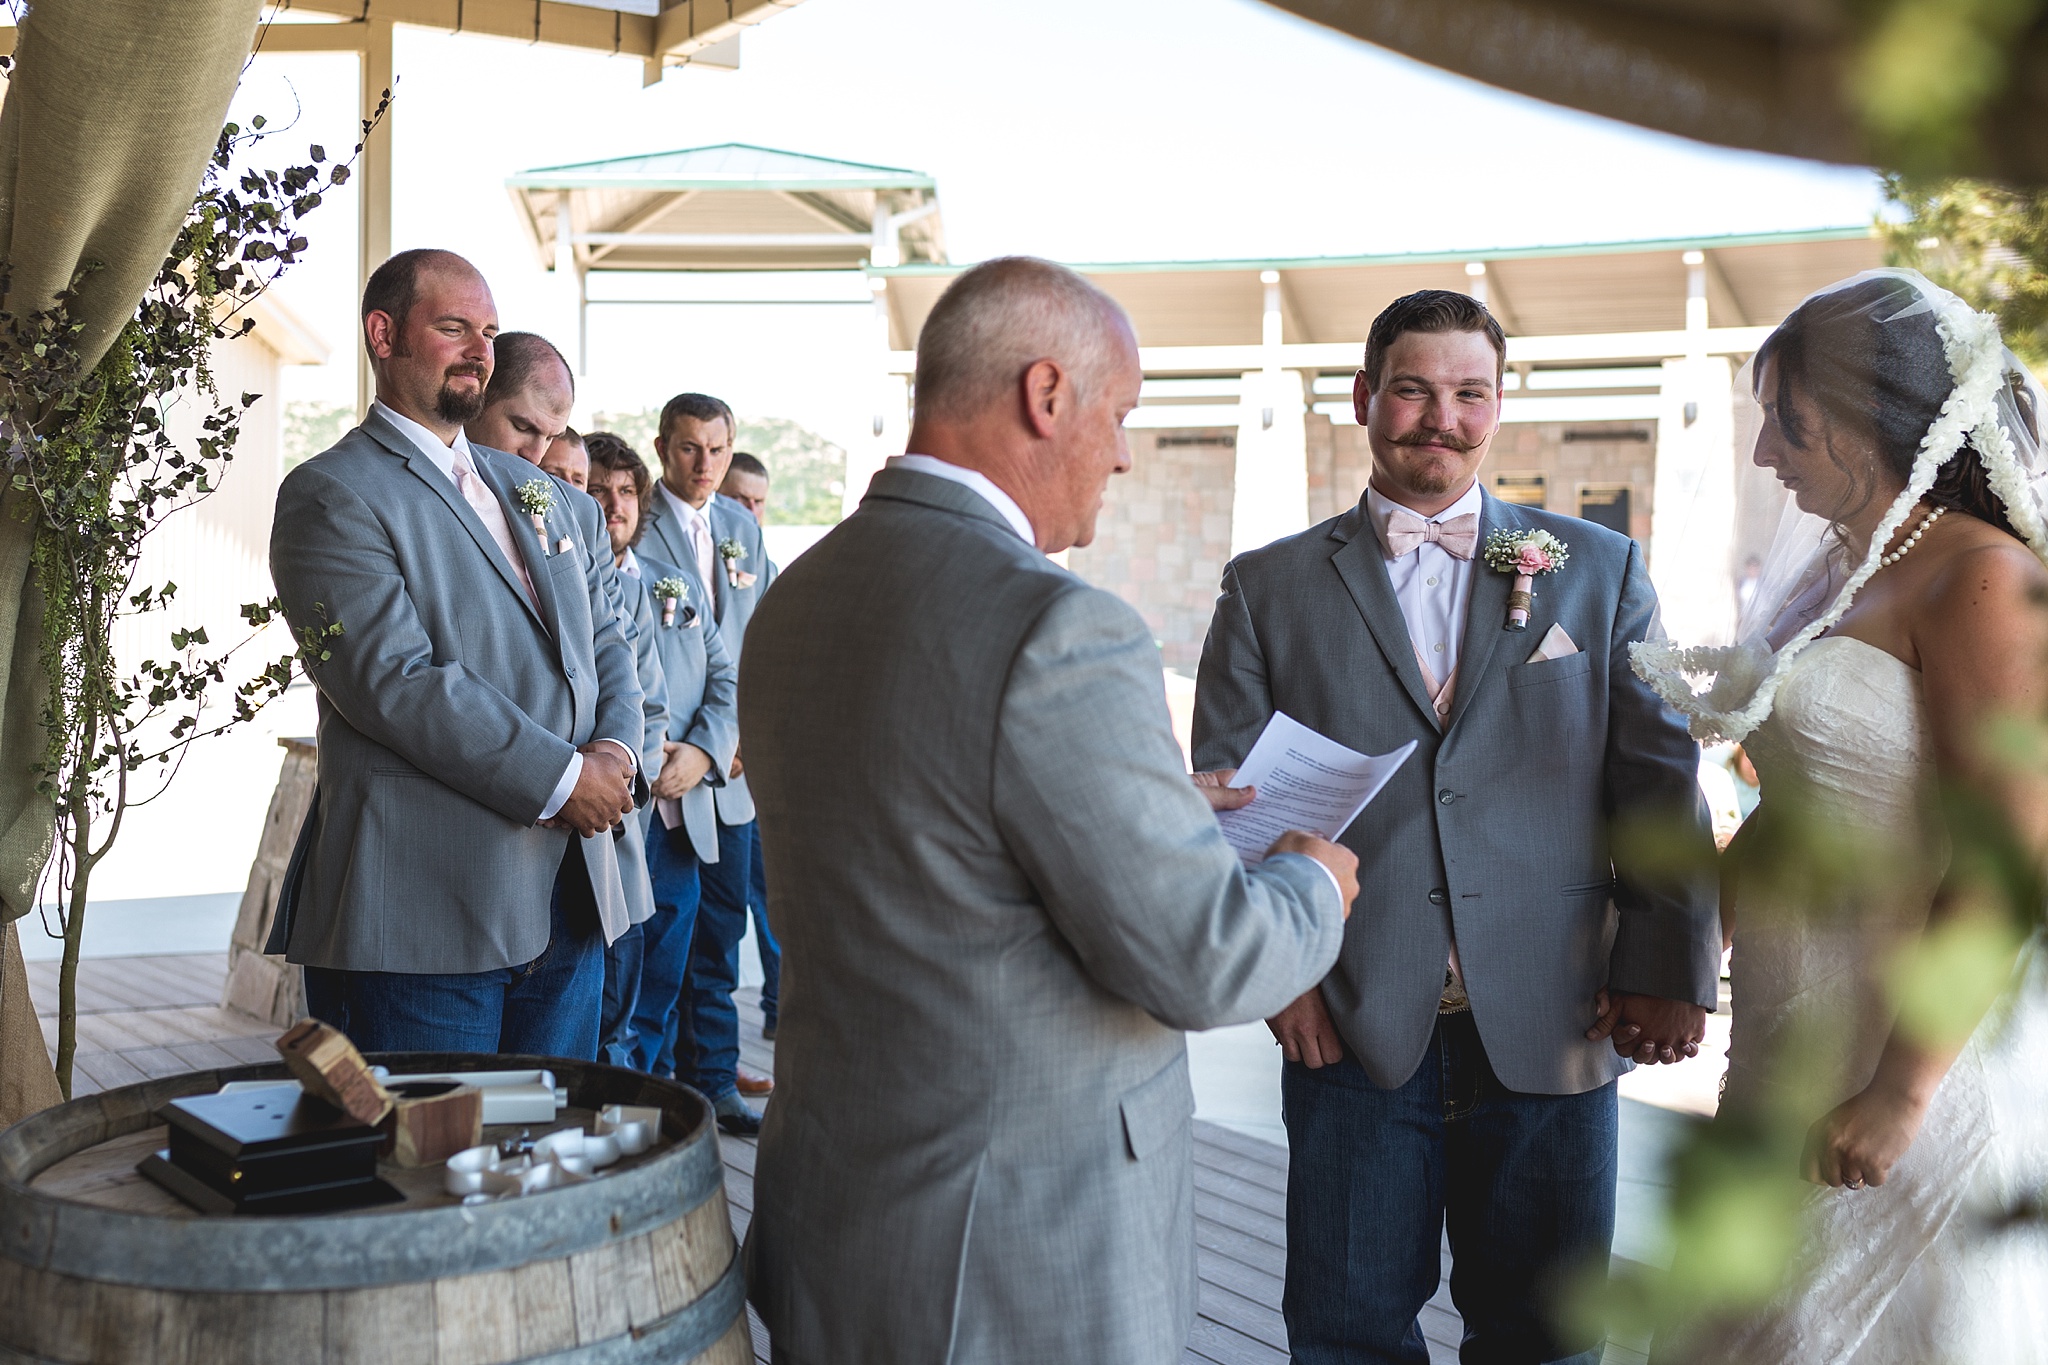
{"x": 733, "y": 607}
{"x": 1498, "y": 824}
{"x": 999, "y": 900}
{"x": 448, "y": 710}
{"x": 705, "y": 708}
{"x": 638, "y": 617}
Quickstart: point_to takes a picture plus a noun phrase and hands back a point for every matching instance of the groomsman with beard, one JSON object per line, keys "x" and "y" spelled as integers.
{"x": 689, "y": 525}
{"x": 1454, "y": 1071}
{"x": 480, "y": 714}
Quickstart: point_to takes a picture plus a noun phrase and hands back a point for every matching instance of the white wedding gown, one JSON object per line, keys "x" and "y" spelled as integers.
{"x": 1908, "y": 1273}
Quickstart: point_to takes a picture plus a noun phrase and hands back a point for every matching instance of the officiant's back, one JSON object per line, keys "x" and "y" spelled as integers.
{"x": 999, "y": 899}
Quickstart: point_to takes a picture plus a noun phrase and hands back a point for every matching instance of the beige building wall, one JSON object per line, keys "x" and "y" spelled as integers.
{"x": 1164, "y": 535}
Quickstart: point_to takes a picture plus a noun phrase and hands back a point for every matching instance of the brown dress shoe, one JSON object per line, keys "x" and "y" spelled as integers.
{"x": 752, "y": 1084}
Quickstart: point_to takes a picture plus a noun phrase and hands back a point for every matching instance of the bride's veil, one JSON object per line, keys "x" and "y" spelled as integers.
{"x": 1808, "y": 577}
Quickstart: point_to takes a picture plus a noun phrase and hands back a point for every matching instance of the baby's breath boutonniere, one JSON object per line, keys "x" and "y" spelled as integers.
{"x": 537, "y": 499}
{"x": 671, "y": 592}
{"x": 1523, "y": 554}
{"x": 732, "y": 552}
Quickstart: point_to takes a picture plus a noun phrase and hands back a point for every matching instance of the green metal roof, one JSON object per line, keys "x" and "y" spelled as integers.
{"x": 726, "y": 166}
{"x": 1841, "y": 234}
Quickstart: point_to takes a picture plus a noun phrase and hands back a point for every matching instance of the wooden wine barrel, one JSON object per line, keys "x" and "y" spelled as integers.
{"x": 100, "y": 1267}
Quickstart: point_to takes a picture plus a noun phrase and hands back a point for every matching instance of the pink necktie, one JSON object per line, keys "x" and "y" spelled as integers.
{"x": 700, "y": 540}
{"x": 1459, "y": 536}
{"x": 484, "y": 503}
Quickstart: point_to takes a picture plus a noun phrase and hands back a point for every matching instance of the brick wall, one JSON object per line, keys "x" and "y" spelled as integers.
{"x": 1164, "y": 534}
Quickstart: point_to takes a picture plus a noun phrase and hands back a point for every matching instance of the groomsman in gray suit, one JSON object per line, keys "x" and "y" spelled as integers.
{"x": 1001, "y": 898}
{"x": 690, "y": 526}
{"x": 746, "y": 484}
{"x": 695, "y": 752}
{"x": 1453, "y": 1071}
{"x": 526, "y": 413}
{"x": 480, "y": 715}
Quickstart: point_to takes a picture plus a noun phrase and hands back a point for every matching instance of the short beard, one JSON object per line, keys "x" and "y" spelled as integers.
{"x": 452, "y": 405}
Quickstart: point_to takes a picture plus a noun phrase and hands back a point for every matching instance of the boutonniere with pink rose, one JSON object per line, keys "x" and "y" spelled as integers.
{"x": 1523, "y": 554}
{"x": 732, "y": 552}
{"x": 672, "y": 592}
{"x": 537, "y": 499}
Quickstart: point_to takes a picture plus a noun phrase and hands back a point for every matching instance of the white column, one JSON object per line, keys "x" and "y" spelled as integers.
{"x": 1692, "y": 519}
{"x": 1271, "y": 493}
{"x": 889, "y": 422}
{"x": 373, "y": 181}
{"x": 571, "y": 284}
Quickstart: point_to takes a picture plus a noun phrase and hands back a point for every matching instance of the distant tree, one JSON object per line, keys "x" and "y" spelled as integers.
{"x": 807, "y": 473}
{"x": 310, "y": 428}
{"x": 1988, "y": 243}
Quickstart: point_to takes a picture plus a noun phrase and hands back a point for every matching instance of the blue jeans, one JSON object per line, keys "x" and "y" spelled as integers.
{"x": 548, "y": 1007}
{"x": 665, "y": 947}
{"x": 764, "y": 937}
{"x": 1524, "y": 1183}
{"x": 621, "y": 993}
{"x": 708, "y": 1040}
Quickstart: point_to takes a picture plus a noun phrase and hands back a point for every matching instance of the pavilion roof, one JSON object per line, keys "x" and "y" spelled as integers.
{"x": 731, "y": 206}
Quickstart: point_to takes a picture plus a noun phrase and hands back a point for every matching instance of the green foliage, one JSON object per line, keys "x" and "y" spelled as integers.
{"x": 1925, "y": 71}
{"x": 310, "y": 428}
{"x": 1986, "y": 243}
{"x": 806, "y": 472}
{"x": 98, "y": 469}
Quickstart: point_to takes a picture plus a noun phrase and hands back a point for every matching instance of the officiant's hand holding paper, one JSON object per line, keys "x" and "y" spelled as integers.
{"x": 1341, "y": 861}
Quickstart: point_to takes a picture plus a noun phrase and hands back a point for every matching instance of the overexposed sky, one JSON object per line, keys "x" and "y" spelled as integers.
{"x": 1084, "y": 130}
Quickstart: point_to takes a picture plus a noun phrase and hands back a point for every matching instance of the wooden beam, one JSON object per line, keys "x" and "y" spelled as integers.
{"x": 688, "y": 26}
{"x": 1724, "y": 305}
{"x": 825, "y": 211}
{"x": 632, "y": 222}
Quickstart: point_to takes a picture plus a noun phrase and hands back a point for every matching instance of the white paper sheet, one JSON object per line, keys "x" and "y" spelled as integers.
{"x": 1306, "y": 781}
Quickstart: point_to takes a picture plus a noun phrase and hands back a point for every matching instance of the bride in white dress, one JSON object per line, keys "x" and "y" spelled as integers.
{"x": 1901, "y": 614}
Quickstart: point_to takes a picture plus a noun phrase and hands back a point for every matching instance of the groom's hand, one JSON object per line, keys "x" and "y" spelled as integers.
{"x": 1216, "y": 789}
{"x": 1649, "y": 1028}
{"x": 1305, "y": 1033}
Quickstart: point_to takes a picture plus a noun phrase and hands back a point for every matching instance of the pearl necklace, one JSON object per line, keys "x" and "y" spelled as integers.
{"x": 1918, "y": 531}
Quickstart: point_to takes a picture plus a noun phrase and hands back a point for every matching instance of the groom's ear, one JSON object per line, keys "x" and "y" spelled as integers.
{"x": 1361, "y": 394}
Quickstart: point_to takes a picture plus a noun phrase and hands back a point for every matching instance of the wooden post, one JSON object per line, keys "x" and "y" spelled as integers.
{"x": 373, "y": 181}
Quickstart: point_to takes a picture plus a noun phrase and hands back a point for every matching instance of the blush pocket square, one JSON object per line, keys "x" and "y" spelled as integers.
{"x": 1555, "y": 645}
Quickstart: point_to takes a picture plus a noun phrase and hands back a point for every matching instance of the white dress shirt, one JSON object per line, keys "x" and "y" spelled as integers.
{"x": 696, "y": 533}
{"x": 1433, "y": 586}
{"x": 443, "y": 458}
{"x": 977, "y": 481}
{"x": 630, "y": 565}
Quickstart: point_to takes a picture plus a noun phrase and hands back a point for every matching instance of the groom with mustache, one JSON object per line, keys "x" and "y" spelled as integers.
{"x": 1505, "y": 962}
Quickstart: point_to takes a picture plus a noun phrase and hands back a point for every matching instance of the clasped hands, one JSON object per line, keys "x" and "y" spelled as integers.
{"x": 1647, "y": 1027}
{"x": 603, "y": 794}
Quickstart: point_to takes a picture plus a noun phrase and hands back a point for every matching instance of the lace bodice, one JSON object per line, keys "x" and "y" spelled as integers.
{"x": 1850, "y": 726}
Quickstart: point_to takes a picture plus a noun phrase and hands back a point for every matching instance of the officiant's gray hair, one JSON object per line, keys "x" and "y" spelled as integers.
{"x": 1001, "y": 317}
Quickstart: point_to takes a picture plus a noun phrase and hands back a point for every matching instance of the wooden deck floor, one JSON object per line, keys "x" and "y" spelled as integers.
{"x": 143, "y": 1017}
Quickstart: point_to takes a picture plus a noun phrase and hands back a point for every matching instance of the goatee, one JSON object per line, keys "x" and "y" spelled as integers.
{"x": 457, "y": 406}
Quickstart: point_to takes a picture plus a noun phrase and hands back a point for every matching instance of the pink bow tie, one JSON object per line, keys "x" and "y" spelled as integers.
{"x": 1406, "y": 532}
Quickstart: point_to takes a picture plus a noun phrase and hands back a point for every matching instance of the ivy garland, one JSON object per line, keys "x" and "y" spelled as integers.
{"x": 96, "y": 468}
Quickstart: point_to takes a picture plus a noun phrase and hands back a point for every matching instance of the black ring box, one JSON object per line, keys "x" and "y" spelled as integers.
{"x": 270, "y": 1150}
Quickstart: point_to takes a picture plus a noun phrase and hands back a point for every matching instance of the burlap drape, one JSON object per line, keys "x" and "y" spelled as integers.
{"x": 1771, "y": 75}
{"x": 110, "y": 113}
